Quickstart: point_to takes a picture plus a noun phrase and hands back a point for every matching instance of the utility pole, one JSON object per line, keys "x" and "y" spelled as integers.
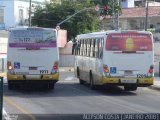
{"x": 30, "y": 13}
{"x": 146, "y": 19}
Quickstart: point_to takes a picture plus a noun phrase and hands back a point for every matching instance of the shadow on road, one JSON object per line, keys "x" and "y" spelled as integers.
{"x": 66, "y": 90}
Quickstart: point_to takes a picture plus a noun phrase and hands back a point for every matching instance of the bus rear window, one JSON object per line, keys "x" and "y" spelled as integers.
{"x": 128, "y": 42}
{"x": 32, "y": 37}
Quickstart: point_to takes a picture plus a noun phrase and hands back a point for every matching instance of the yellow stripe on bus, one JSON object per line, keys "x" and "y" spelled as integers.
{"x": 45, "y": 77}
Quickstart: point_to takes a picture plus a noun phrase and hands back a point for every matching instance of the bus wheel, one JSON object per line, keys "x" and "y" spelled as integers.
{"x": 51, "y": 86}
{"x": 92, "y": 86}
{"x": 78, "y": 76}
{"x": 130, "y": 87}
{"x": 78, "y": 72}
{"x": 10, "y": 86}
{"x": 81, "y": 81}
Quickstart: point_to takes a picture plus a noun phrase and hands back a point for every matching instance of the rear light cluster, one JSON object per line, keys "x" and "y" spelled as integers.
{"x": 151, "y": 69}
{"x": 106, "y": 69}
{"x": 55, "y": 68}
{"x": 10, "y": 67}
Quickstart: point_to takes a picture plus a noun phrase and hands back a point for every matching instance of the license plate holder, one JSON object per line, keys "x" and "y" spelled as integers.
{"x": 128, "y": 81}
{"x": 128, "y": 72}
{"x": 32, "y": 68}
{"x": 33, "y": 76}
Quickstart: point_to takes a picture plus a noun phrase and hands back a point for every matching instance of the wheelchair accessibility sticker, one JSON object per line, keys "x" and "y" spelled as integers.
{"x": 113, "y": 70}
{"x": 17, "y": 65}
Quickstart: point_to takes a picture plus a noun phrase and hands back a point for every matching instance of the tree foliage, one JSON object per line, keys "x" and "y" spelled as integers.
{"x": 51, "y": 14}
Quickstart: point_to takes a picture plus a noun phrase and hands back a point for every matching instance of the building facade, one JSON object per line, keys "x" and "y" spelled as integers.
{"x": 15, "y": 13}
{"x": 135, "y": 19}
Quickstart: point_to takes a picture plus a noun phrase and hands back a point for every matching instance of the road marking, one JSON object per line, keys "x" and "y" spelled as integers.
{"x": 19, "y": 108}
{"x": 5, "y": 115}
{"x": 69, "y": 78}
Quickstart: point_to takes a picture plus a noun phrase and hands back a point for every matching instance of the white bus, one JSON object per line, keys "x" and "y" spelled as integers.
{"x": 121, "y": 58}
{"x": 32, "y": 57}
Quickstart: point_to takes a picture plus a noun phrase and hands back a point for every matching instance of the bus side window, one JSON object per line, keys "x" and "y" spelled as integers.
{"x": 92, "y": 48}
{"x": 96, "y": 48}
{"x": 101, "y": 48}
{"x": 75, "y": 49}
{"x": 86, "y": 46}
{"x": 89, "y": 52}
{"x": 81, "y": 48}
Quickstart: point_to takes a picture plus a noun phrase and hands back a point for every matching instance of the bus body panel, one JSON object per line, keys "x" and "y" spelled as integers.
{"x": 135, "y": 63}
{"x": 32, "y": 55}
{"x": 130, "y": 67}
{"x": 32, "y": 62}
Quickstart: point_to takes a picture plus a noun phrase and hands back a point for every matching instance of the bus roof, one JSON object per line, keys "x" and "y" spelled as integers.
{"x": 25, "y": 28}
{"x": 103, "y": 33}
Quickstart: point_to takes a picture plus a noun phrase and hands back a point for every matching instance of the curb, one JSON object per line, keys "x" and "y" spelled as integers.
{"x": 5, "y": 115}
{"x": 3, "y": 74}
{"x": 66, "y": 69}
{"x": 155, "y": 87}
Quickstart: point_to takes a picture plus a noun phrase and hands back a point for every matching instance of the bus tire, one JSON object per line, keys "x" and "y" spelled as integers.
{"x": 92, "y": 86}
{"x": 130, "y": 87}
{"x": 51, "y": 86}
{"x": 78, "y": 72}
{"x": 78, "y": 76}
{"x": 81, "y": 81}
{"x": 10, "y": 86}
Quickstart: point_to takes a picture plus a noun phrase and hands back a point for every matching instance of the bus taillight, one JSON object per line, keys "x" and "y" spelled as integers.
{"x": 151, "y": 69}
{"x": 55, "y": 67}
{"x": 106, "y": 69}
{"x": 9, "y": 65}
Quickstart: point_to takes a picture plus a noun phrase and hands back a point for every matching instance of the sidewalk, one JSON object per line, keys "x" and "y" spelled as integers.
{"x": 156, "y": 85}
{"x": 69, "y": 69}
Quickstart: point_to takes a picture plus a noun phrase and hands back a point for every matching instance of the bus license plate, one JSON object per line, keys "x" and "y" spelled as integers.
{"x": 33, "y": 76}
{"x": 128, "y": 81}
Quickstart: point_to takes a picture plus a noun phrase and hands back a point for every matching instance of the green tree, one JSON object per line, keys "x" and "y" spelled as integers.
{"x": 51, "y": 14}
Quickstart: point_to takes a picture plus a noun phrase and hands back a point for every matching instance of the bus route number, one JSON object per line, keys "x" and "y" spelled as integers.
{"x": 142, "y": 75}
{"x": 25, "y": 40}
{"x": 43, "y": 71}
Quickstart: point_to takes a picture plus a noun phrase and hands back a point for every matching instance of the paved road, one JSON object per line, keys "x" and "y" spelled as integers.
{"x": 69, "y": 97}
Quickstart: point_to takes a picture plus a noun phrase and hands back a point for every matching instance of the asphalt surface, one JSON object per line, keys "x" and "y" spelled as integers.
{"x": 70, "y": 98}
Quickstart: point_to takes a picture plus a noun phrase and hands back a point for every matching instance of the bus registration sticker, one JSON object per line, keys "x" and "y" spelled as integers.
{"x": 113, "y": 70}
{"x": 128, "y": 81}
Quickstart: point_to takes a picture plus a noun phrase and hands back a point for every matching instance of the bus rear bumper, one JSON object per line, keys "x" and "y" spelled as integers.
{"x": 139, "y": 82}
{"x": 28, "y": 78}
